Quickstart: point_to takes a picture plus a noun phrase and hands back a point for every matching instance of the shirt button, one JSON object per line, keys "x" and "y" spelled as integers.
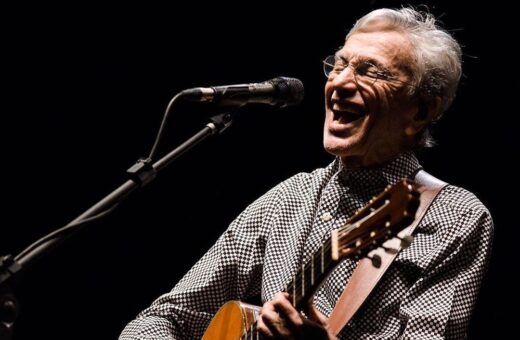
{"x": 325, "y": 217}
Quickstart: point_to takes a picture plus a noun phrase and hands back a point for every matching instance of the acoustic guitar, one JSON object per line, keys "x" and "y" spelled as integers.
{"x": 380, "y": 220}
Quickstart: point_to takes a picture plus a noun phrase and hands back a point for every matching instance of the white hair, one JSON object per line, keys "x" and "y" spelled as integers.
{"x": 436, "y": 68}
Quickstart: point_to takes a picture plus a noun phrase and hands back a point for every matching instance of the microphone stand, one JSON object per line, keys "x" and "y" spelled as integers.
{"x": 141, "y": 173}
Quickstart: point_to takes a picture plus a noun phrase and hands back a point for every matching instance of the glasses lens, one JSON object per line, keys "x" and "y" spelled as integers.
{"x": 367, "y": 73}
{"x": 328, "y": 65}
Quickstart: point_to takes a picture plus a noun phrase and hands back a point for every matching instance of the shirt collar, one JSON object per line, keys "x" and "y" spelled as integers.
{"x": 404, "y": 165}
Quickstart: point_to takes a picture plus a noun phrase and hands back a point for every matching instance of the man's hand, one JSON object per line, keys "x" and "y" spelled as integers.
{"x": 280, "y": 320}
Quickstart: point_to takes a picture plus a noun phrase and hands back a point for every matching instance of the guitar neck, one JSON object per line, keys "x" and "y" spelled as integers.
{"x": 311, "y": 274}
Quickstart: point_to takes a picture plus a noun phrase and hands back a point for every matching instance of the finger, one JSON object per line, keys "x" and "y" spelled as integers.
{"x": 317, "y": 316}
{"x": 275, "y": 325}
{"x": 270, "y": 324}
{"x": 321, "y": 319}
{"x": 261, "y": 326}
{"x": 292, "y": 317}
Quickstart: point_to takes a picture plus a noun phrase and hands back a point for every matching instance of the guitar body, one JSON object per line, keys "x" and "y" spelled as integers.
{"x": 232, "y": 321}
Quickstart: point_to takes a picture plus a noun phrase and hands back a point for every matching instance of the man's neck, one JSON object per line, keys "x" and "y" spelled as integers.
{"x": 367, "y": 162}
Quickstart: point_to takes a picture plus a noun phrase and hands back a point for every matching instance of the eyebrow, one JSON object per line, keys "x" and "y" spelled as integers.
{"x": 337, "y": 55}
{"x": 365, "y": 59}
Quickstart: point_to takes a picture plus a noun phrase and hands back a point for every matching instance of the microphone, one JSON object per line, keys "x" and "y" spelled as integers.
{"x": 280, "y": 92}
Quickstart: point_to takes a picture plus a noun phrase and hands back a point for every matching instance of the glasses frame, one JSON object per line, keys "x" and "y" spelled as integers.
{"x": 331, "y": 61}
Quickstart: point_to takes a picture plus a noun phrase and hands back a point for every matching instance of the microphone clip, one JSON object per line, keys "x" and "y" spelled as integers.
{"x": 142, "y": 172}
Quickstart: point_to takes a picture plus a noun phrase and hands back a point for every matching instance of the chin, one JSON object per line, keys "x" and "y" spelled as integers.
{"x": 341, "y": 149}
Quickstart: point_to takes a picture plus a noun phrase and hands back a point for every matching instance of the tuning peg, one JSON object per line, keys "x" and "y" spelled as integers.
{"x": 390, "y": 250}
{"x": 376, "y": 260}
{"x": 405, "y": 241}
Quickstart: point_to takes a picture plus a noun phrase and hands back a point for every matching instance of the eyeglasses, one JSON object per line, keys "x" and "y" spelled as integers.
{"x": 364, "y": 72}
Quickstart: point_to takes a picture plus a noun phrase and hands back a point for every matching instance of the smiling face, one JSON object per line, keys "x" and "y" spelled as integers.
{"x": 368, "y": 123}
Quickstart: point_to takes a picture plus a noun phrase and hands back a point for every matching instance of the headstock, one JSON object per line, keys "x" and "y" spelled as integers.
{"x": 382, "y": 219}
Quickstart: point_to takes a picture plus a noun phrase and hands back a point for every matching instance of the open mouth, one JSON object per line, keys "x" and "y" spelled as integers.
{"x": 345, "y": 117}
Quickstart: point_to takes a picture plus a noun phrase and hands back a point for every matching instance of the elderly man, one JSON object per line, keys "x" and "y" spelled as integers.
{"x": 396, "y": 73}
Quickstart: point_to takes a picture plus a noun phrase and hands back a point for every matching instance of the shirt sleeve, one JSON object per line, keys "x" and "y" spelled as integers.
{"x": 439, "y": 304}
{"x": 230, "y": 270}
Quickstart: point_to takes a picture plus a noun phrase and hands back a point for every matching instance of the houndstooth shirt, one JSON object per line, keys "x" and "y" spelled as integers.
{"x": 427, "y": 293}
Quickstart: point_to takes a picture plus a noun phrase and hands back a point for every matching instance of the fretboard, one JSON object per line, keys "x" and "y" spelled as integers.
{"x": 311, "y": 274}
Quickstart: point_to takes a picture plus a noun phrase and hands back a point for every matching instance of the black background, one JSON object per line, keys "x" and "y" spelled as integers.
{"x": 85, "y": 88}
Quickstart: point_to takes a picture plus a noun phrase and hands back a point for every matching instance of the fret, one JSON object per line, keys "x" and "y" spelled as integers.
{"x": 308, "y": 278}
{"x": 303, "y": 280}
{"x": 312, "y": 270}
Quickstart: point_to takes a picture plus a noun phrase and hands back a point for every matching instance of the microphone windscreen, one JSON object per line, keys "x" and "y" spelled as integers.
{"x": 290, "y": 90}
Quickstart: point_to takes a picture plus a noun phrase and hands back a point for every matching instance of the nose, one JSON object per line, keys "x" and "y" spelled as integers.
{"x": 345, "y": 80}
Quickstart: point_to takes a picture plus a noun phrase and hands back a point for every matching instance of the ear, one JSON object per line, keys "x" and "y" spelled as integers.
{"x": 426, "y": 112}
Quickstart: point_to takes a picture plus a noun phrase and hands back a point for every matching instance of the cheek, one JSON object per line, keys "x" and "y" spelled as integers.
{"x": 328, "y": 90}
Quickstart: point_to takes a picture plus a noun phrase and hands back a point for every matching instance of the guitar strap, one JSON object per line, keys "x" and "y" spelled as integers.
{"x": 366, "y": 276}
